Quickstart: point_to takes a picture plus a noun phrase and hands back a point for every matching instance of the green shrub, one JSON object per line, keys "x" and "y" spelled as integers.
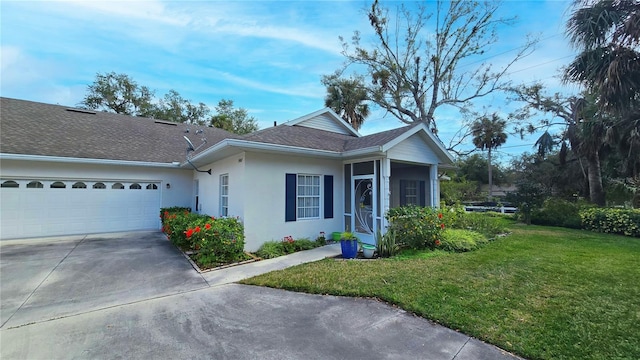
{"x": 175, "y": 226}
{"x": 416, "y": 227}
{"x": 288, "y": 245}
{"x": 489, "y": 224}
{"x": 386, "y": 245}
{"x": 615, "y": 221}
{"x": 557, "y": 212}
{"x": 218, "y": 241}
{"x": 460, "y": 240}
{"x": 270, "y": 249}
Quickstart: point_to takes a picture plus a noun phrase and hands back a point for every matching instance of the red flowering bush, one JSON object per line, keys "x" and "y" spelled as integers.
{"x": 416, "y": 227}
{"x": 214, "y": 241}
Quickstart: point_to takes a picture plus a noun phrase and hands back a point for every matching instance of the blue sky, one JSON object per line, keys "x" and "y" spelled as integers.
{"x": 266, "y": 56}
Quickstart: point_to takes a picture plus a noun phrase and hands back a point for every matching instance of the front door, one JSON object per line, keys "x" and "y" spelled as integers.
{"x": 364, "y": 209}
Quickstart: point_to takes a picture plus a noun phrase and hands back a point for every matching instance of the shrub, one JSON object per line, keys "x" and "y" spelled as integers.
{"x": 175, "y": 226}
{"x": 386, "y": 245}
{"x": 615, "y": 221}
{"x": 270, "y": 249}
{"x": 459, "y": 240}
{"x": 416, "y": 227}
{"x": 558, "y": 212}
{"x": 218, "y": 241}
{"x": 288, "y": 245}
{"x": 489, "y": 224}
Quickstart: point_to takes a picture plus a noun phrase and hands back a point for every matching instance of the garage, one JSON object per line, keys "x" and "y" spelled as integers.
{"x": 50, "y": 207}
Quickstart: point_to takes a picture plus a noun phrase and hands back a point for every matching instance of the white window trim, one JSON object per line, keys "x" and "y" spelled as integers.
{"x": 224, "y": 195}
{"x": 319, "y": 196}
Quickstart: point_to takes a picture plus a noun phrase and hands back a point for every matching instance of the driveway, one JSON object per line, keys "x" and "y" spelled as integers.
{"x": 133, "y": 295}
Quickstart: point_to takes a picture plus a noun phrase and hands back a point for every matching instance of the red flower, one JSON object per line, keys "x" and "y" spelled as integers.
{"x": 207, "y": 226}
{"x": 437, "y": 242}
{"x": 213, "y": 218}
{"x": 440, "y": 216}
{"x": 197, "y": 229}
{"x": 442, "y": 226}
{"x": 189, "y": 233}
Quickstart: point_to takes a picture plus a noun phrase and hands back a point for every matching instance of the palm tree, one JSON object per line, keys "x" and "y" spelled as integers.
{"x": 607, "y": 32}
{"x": 347, "y": 98}
{"x": 488, "y": 134}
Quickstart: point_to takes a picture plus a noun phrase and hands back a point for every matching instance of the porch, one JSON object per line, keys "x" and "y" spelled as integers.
{"x": 375, "y": 185}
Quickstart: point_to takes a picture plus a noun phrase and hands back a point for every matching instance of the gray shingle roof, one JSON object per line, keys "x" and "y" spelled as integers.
{"x": 33, "y": 128}
{"x": 304, "y": 137}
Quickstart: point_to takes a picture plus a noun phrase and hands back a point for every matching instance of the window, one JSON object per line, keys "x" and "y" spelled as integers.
{"x": 152, "y": 187}
{"x": 117, "y": 186}
{"x": 308, "y": 197}
{"x": 99, "y": 185}
{"x": 224, "y": 195}
{"x": 35, "y": 185}
{"x": 58, "y": 185}
{"x": 10, "y": 184}
{"x": 79, "y": 185}
{"x": 411, "y": 192}
{"x": 135, "y": 186}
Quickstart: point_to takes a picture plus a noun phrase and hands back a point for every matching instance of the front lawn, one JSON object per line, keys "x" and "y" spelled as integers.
{"x": 541, "y": 292}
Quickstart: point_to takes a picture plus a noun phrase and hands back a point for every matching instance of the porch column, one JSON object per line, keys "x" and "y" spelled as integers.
{"x": 435, "y": 186}
{"x": 386, "y": 191}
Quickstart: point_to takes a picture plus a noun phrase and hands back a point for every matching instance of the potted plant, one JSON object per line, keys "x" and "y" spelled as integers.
{"x": 368, "y": 250}
{"x": 349, "y": 245}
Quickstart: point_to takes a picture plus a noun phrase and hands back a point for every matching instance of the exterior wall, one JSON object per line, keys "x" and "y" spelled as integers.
{"x": 264, "y": 197}
{"x": 413, "y": 149}
{"x": 324, "y": 122}
{"x": 181, "y": 181}
{"x": 209, "y": 192}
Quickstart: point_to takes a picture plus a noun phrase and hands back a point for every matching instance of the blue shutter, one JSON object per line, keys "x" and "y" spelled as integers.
{"x": 328, "y": 196}
{"x": 290, "y": 197}
{"x": 403, "y": 192}
{"x": 421, "y": 194}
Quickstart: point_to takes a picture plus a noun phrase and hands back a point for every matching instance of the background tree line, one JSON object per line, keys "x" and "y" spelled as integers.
{"x": 120, "y": 94}
{"x": 412, "y": 69}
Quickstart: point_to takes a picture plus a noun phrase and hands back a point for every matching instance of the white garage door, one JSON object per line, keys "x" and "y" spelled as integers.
{"x": 33, "y": 208}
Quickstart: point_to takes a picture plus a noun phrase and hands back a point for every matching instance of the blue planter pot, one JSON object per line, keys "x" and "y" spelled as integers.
{"x": 349, "y": 248}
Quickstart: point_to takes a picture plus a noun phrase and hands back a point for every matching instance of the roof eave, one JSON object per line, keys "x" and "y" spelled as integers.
{"x": 73, "y": 160}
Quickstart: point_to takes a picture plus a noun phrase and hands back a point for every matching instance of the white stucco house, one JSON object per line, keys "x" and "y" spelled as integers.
{"x": 69, "y": 171}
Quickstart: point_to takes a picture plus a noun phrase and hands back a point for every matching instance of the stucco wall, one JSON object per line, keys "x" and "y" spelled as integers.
{"x": 264, "y": 198}
{"x": 209, "y": 192}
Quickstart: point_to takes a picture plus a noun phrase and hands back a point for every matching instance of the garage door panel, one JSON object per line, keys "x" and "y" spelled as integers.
{"x": 28, "y": 212}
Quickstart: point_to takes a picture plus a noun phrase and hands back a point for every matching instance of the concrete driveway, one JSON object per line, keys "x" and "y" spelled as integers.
{"x": 133, "y": 295}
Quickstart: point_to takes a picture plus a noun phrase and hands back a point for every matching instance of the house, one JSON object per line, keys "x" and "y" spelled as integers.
{"x": 71, "y": 171}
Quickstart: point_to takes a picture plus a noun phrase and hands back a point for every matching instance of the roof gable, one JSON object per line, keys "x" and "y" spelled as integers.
{"x": 324, "y": 119}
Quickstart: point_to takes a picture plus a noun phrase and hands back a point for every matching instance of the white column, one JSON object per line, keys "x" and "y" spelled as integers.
{"x": 435, "y": 186}
{"x": 385, "y": 167}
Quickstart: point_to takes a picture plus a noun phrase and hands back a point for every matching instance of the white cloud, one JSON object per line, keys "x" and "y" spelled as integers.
{"x": 304, "y": 90}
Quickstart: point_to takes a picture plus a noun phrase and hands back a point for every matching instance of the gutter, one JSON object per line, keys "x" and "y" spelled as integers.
{"x": 72, "y": 160}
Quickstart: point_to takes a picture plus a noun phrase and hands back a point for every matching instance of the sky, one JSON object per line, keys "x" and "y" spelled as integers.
{"x": 266, "y": 56}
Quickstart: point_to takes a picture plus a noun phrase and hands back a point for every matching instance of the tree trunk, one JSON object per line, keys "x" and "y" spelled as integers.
{"x": 490, "y": 176}
{"x": 596, "y": 191}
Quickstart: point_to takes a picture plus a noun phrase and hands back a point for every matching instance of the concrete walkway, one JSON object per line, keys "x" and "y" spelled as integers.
{"x": 134, "y": 296}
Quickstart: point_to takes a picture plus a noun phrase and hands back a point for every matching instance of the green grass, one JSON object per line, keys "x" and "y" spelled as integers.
{"x": 541, "y": 292}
